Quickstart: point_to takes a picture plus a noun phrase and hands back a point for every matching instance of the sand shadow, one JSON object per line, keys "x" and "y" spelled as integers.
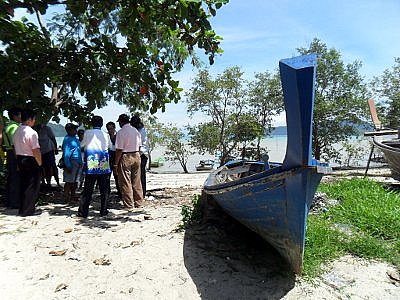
{"x": 228, "y": 261}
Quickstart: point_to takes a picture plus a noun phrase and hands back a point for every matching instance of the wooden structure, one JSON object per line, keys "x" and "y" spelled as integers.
{"x": 379, "y": 130}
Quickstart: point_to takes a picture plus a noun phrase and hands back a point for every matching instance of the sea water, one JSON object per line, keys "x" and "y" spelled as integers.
{"x": 276, "y": 149}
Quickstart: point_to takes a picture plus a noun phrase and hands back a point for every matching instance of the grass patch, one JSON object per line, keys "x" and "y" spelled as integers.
{"x": 190, "y": 213}
{"x": 365, "y": 223}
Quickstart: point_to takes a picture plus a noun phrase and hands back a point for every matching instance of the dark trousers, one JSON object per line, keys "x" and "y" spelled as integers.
{"x": 13, "y": 191}
{"x": 143, "y": 163}
{"x": 30, "y": 184}
{"x": 90, "y": 181}
{"x": 112, "y": 163}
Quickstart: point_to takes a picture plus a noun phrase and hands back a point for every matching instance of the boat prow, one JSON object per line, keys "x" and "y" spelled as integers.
{"x": 273, "y": 199}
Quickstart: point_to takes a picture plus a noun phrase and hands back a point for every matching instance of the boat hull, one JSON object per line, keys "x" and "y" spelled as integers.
{"x": 274, "y": 202}
{"x": 274, "y": 205}
{"x": 391, "y": 151}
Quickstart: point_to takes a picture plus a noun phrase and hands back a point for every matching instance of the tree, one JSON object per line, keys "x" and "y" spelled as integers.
{"x": 173, "y": 139}
{"x": 388, "y": 86}
{"x": 340, "y": 95}
{"x": 98, "y": 50}
{"x": 223, "y": 100}
{"x": 154, "y": 133}
{"x": 266, "y": 100}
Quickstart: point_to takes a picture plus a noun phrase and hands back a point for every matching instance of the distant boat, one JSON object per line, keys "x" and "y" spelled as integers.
{"x": 391, "y": 151}
{"x": 157, "y": 162}
{"x": 273, "y": 199}
{"x": 205, "y": 165}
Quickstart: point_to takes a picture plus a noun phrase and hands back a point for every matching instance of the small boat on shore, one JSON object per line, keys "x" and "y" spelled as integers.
{"x": 158, "y": 162}
{"x": 205, "y": 165}
{"x": 273, "y": 199}
{"x": 391, "y": 151}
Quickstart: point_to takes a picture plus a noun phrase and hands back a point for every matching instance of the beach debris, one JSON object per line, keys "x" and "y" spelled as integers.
{"x": 58, "y": 252}
{"x": 133, "y": 244}
{"x": 131, "y": 274}
{"x": 148, "y": 217}
{"x": 136, "y": 243}
{"x": 102, "y": 261}
{"x": 68, "y": 230}
{"x": 61, "y": 286}
{"x": 321, "y": 203}
{"x": 131, "y": 290}
{"x": 337, "y": 281}
{"x": 45, "y": 277}
{"x": 74, "y": 257}
{"x": 393, "y": 275}
{"x": 150, "y": 198}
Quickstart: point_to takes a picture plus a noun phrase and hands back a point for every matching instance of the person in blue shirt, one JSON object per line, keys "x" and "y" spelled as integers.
{"x": 71, "y": 148}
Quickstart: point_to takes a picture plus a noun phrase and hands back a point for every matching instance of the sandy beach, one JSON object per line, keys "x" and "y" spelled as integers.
{"x": 143, "y": 255}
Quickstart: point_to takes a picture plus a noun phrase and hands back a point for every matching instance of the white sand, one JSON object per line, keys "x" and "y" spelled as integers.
{"x": 149, "y": 259}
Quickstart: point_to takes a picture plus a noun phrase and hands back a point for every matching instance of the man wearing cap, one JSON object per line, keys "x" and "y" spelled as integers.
{"x": 71, "y": 148}
{"x": 96, "y": 144}
{"x": 127, "y": 163}
{"x": 29, "y": 161}
{"x": 13, "y": 193}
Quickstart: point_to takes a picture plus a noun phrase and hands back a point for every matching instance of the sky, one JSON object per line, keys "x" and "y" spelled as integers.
{"x": 258, "y": 33}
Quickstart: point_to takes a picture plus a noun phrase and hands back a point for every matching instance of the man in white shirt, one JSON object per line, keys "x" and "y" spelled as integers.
{"x": 127, "y": 163}
{"x": 144, "y": 153}
{"x": 96, "y": 144}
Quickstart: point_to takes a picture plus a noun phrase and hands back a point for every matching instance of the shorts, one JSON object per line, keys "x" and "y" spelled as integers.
{"x": 72, "y": 175}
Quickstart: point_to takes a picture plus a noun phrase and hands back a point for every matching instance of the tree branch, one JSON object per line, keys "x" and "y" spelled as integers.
{"x": 42, "y": 25}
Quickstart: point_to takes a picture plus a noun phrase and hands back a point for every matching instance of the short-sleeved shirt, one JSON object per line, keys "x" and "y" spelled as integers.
{"x": 9, "y": 131}
{"x": 47, "y": 139}
{"x": 96, "y": 144}
{"x": 128, "y": 139}
{"x": 71, "y": 150}
{"x": 145, "y": 143}
{"x": 25, "y": 140}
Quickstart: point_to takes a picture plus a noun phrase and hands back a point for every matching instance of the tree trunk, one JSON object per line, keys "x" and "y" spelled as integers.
{"x": 317, "y": 151}
{"x": 258, "y": 149}
{"x": 149, "y": 161}
{"x": 185, "y": 169}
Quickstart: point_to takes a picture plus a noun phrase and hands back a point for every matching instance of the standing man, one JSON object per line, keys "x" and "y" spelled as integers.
{"x": 96, "y": 144}
{"x": 113, "y": 135}
{"x": 127, "y": 163}
{"x": 29, "y": 160}
{"x": 48, "y": 148}
{"x": 13, "y": 193}
{"x": 138, "y": 124}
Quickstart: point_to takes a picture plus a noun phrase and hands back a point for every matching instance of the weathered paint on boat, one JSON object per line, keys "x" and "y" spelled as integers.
{"x": 391, "y": 151}
{"x": 275, "y": 202}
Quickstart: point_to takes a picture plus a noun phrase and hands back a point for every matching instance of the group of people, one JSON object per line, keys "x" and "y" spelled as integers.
{"x": 91, "y": 154}
{"x": 123, "y": 153}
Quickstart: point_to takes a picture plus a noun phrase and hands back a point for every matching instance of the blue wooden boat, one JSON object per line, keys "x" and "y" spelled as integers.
{"x": 273, "y": 199}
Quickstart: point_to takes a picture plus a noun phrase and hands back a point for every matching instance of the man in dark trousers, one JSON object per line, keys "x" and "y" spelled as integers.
{"x": 13, "y": 192}
{"x": 29, "y": 160}
{"x": 96, "y": 144}
{"x": 110, "y": 126}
